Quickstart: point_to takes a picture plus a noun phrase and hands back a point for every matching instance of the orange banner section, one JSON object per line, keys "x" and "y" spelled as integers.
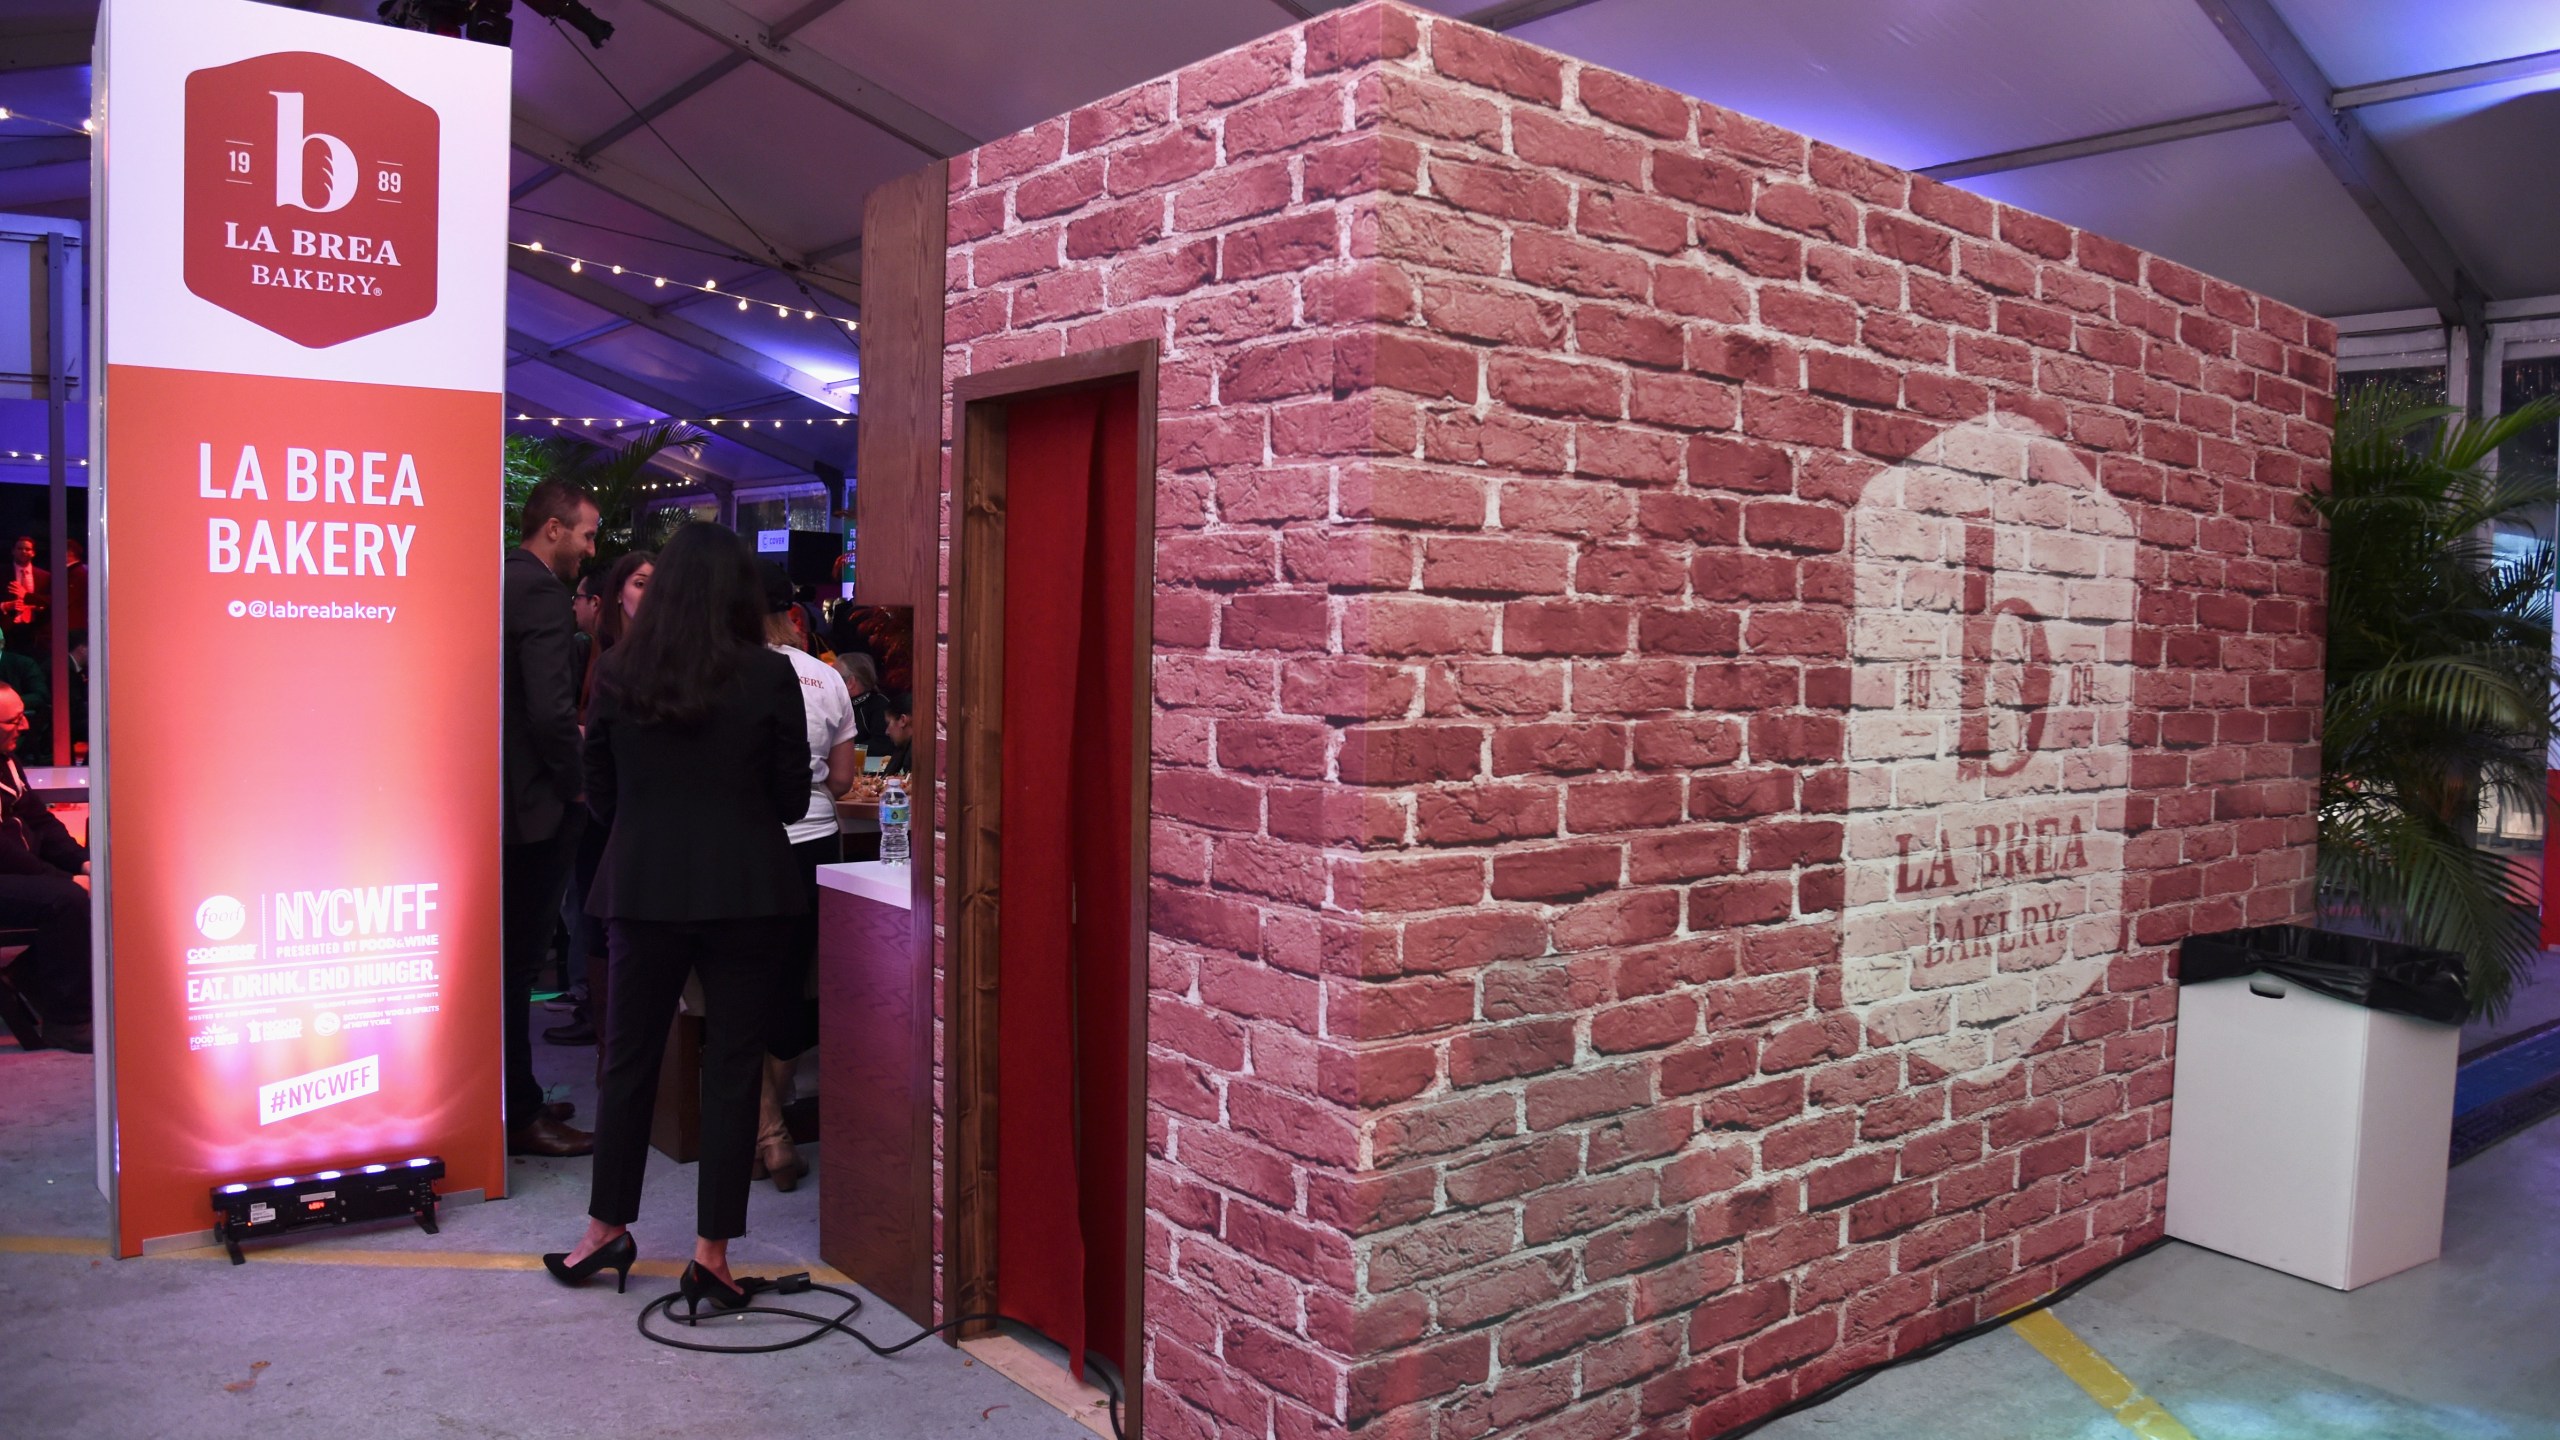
{"x": 301, "y": 734}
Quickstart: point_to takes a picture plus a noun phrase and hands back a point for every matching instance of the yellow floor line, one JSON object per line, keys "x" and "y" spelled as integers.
{"x": 2104, "y": 1383}
{"x": 387, "y": 1259}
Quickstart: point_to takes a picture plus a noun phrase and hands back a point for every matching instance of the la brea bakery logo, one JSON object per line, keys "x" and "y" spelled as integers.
{"x": 1991, "y": 693}
{"x": 310, "y": 197}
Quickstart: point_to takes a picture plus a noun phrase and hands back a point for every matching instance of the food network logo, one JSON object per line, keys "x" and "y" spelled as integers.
{"x": 220, "y": 918}
{"x": 310, "y": 197}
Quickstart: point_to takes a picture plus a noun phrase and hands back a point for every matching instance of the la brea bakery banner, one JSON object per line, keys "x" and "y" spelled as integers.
{"x": 301, "y": 231}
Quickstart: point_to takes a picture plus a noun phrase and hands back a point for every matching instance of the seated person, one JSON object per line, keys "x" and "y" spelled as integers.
{"x": 44, "y": 887}
{"x": 27, "y": 676}
{"x": 902, "y": 735}
{"x": 870, "y": 706}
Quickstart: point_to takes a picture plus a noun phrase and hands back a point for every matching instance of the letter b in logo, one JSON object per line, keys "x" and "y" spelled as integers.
{"x": 338, "y": 166}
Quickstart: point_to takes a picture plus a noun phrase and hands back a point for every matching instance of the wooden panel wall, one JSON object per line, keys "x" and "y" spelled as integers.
{"x": 869, "y": 1169}
{"x": 898, "y": 480}
{"x": 898, "y": 561}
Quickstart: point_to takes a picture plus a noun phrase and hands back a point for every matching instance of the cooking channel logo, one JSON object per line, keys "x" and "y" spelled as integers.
{"x": 310, "y": 197}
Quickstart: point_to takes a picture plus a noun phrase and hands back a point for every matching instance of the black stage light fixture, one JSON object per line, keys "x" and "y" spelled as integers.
{"x": 258, "y": 1209}
{"x": 490, "y": 21}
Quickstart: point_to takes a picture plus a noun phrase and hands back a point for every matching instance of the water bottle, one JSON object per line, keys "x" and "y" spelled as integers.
{"x": 893, "y": 821}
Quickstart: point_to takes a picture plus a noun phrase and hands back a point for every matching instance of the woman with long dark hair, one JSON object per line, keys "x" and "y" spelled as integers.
{"x": 616, "y": 591}
{"x": 696, "y": 756}
{"x": 620, "y": 589}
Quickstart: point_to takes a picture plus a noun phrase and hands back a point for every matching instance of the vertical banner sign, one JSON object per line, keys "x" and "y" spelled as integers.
{"x": 301, "y": 225}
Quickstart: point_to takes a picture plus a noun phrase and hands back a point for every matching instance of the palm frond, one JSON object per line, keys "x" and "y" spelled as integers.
{"x": 2439, "y": 675}
{"x": 612, "y": 473}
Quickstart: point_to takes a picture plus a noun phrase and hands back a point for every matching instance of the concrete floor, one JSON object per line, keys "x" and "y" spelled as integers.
{"x": 385, "y": 1336}
{"x": 2467, "y": 1348}
{"x": 281, "y": 1349}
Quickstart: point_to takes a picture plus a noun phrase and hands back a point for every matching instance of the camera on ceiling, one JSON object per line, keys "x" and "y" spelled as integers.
{"x": 491, "y": 22}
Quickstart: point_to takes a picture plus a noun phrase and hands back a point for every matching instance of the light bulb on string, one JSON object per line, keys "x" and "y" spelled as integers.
{"x": 577, "y": 267}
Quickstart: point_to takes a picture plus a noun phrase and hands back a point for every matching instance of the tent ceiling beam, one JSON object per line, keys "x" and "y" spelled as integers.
{"x": 684, "y": 90}
{"x": 2273, "y": 53}
{"x": 2380, "y": 92}
{"x": 829, "y": 81}
{"x": 705, "y": 220}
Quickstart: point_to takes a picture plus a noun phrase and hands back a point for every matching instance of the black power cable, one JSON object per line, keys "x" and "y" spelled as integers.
{"x": 1845, "y": 1384}
{"x": 799, "y": 1283}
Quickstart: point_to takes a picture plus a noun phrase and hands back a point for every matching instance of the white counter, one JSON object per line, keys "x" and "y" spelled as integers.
{"x": 892, "y": 885}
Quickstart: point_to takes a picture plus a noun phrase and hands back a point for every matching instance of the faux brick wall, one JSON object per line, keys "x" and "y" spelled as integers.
{"x": 1230, "y": 212}
{"x": 1563, "y": 483}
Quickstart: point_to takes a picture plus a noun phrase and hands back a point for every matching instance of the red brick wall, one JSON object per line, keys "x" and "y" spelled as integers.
{"x": 1520, "y": 765}
{"x": 1230, "y": 212}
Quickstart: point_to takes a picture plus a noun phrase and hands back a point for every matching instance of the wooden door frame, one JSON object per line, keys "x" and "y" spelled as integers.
{"x": 976, "y": 684}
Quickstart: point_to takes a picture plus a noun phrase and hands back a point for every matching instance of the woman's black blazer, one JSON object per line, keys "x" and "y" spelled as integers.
{"x": 697, "y": 813}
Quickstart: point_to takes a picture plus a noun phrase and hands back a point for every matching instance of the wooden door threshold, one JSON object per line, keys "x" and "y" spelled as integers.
{"x": 1044, "y": 1376}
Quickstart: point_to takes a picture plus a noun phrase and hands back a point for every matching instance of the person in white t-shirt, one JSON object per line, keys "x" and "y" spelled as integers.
{"x": 827, "y": 710}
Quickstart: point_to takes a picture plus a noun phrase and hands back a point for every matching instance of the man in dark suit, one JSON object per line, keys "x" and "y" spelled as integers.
{"x": 542, "y": 782}
{"x": 44, "y": 887}
{"x": 27, "y": 598}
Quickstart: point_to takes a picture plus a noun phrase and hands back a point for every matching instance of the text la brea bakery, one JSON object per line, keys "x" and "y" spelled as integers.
{"x": 311, "y": 547}
{"x": 315, "y": 245}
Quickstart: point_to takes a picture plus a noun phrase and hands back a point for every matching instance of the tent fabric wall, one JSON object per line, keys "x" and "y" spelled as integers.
{"x": 1509, "y": 1063}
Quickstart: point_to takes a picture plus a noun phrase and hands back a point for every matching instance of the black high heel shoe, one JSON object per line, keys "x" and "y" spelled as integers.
{"x": 618, "y": 1255}
{"x": 699, "y": 1285}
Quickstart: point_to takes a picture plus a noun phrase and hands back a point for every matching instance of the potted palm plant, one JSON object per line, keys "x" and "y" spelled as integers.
{"x": 612, "y": 473}
{"x": 2316, "y": 1070}
{"x": 2439, "y": 678}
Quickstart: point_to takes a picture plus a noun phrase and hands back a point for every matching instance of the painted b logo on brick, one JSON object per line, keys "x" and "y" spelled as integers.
{"x": 310, "y": 197}
{"x": 1991, "y": 656}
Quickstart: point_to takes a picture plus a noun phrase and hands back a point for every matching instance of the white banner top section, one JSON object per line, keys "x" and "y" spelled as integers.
{"x": 274, "y": 179}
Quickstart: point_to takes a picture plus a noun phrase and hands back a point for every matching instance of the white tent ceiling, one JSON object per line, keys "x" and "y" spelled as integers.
{"x": 761, "y": 124}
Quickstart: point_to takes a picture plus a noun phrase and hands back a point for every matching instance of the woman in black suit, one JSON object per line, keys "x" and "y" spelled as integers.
{"x": 697, "y": 758}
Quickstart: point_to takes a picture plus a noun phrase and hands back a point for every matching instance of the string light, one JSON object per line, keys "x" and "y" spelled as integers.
{"x": 87, "y": 125}
{"x": 38, "y": 455}
{"x": 578, "y": 265}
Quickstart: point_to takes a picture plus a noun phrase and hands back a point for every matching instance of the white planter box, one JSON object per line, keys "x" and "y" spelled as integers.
{"x": 2307, "y": 1134}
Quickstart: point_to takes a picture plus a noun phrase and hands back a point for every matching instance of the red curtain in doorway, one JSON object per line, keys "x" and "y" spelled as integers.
{"x": 1062, "y": 969}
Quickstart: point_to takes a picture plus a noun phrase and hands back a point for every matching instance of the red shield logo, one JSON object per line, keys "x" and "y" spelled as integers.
{"x": 311, "y": 197}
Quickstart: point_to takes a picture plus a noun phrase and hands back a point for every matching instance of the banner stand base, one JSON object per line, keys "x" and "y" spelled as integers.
{"x": 209, "y": 1239}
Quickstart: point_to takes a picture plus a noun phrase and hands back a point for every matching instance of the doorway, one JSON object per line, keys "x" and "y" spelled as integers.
{"x": 1045, "y": 985}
